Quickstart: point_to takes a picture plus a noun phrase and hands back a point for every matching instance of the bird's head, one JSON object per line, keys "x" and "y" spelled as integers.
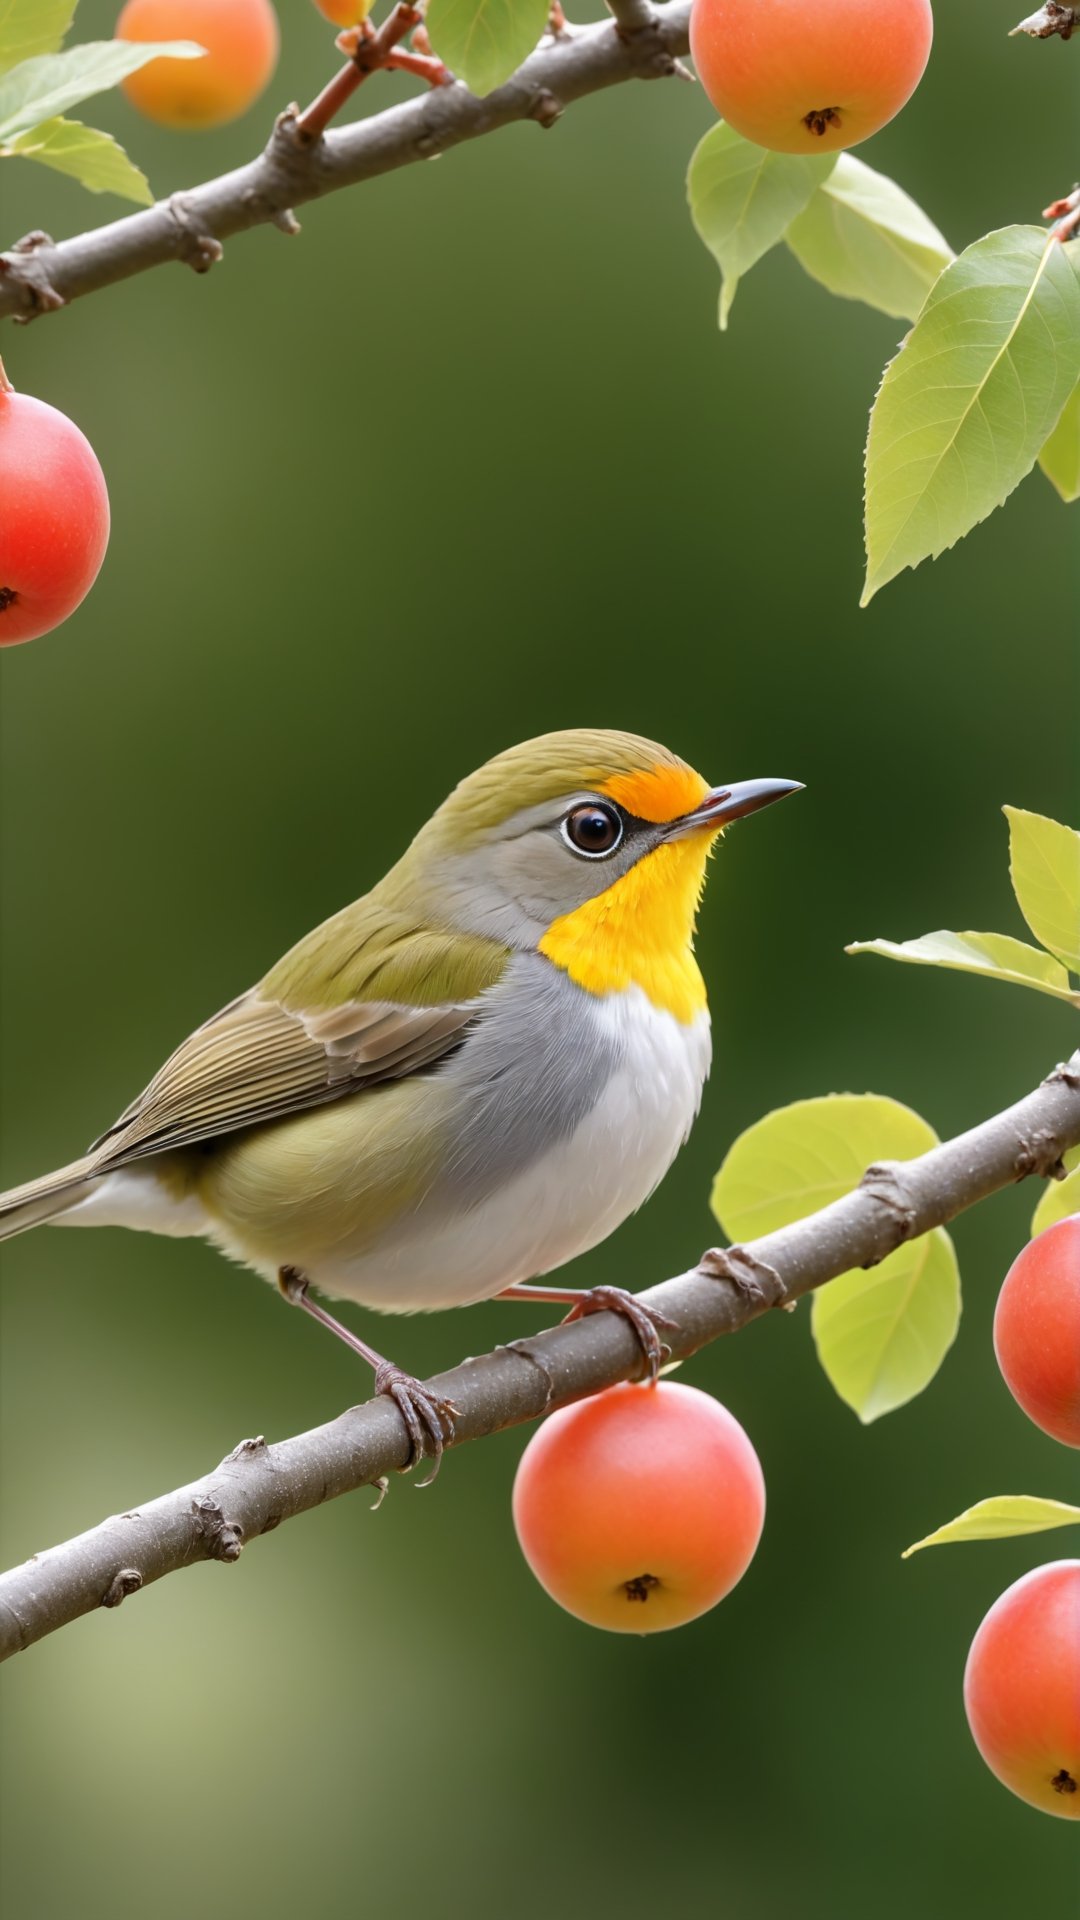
{"x": 587, "y": 844}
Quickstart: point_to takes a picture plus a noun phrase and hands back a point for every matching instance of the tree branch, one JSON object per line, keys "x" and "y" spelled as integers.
{"x": 38, "y": 275}
{"x": 257, "y": 1486}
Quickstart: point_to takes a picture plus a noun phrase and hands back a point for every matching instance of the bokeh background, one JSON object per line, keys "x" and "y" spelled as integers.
{"x": 465, "y": 461}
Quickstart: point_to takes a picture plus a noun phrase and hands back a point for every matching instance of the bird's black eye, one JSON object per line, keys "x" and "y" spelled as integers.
{"x": 594, "y": 831}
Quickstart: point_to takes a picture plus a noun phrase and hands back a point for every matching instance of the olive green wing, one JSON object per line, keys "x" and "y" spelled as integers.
{"x": 268, "y": 1054}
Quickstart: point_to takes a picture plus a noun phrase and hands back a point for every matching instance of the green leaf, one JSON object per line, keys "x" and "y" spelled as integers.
{"x": 1044, "y": 865}
{"x": 881, "y": 1336}
{"x": 976, "y": 389}
{"x": 865, "y": 239}
{"x": 999, "y": 1519}
{"x": 1060, "y": 1197}
{"x": 29, "y": 27}
{"x": 94, "y": 158}
{"x": 743, "y": 199}
{"x": 1060, "y": 457}
{"x": 995, "y": 954}
{"x": 800, "y": 1158}
{"x": 485, "y": 41}
{"x": 42, "y": 88}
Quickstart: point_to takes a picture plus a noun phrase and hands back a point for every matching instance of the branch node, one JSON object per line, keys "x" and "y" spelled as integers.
{"x": 545, "y": 109}
{"x": 128, "y": 1580}
{"x": 198, "y": 248}
{"x": 225, "y": 1538}
{"x": 1050, "y": 19}
{"x": 245, "y": 1449}
{"x": 632, "y": 17}
{"x": 1039, "y": 1152}
{"x": 753, "y": 1278}
{"x": 25, "y": 266}
{"x": 523, "y": 1347}
{"x": 885, "y": 1182}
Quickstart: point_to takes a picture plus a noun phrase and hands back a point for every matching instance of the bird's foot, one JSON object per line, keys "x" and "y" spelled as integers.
{"x": 646, "y": 1321}
{"x": 419, "y": 1409}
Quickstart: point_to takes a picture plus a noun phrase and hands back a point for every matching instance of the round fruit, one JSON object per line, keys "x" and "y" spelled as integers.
{"x": 241, "y": 40}
{"x": 1022, "y": 1688}
{"x": 640, "y": 1508}
{"x": 805, "y": 76}
{"x": 345, "y": 13}
{"x": 1037, "y": 1330}
{"x": 54, "y": 526}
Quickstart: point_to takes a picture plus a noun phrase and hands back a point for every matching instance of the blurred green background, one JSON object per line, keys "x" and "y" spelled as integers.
{"x": 465, "y": 461}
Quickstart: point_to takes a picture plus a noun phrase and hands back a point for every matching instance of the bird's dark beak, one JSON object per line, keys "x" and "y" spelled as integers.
{"x": 725, "y": 804}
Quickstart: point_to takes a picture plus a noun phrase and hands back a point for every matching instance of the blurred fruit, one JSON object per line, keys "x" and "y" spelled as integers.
{"x": 241, "y": 40}
{"x": 1022, "y": 1688}
{"x": 54, "y": 517}
{"x": 1037, "y": 1330}
{"x": 804, "y": 76}
{"x": 344, "y": 13}
{"x": 640, "y": 1508}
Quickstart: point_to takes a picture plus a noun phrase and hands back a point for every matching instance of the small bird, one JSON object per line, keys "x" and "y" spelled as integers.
{"x": 462, "y": 1081}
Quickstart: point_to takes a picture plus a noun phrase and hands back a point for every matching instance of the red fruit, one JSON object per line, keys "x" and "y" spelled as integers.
{"x": 639, "y": 1509}
{"x": 1022, "y": 1688}
{"x": 804, "y": 76}
{"x": 1037, "y": 1330}
{"x": 241, "y": 40}
{"x": 54, "y": 517}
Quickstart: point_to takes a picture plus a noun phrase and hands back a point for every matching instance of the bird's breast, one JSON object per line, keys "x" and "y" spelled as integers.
{"x": 559, "y": 1115}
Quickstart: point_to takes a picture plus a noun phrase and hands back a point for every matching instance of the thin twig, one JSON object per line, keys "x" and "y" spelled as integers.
{"x": 1066, "y": 215}
{"x": 258, "y": 1486}
{"x": 38, "y": 275}
{"x": 370, "y": 50}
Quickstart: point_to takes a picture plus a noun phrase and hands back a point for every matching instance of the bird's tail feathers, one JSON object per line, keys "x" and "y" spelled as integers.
{"x": 43, "y": 1199}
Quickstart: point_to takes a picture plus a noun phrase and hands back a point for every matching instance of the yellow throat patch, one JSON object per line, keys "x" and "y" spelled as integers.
{"x": 640, "y": 932}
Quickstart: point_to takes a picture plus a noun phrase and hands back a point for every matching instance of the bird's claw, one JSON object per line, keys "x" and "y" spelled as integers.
{"x": 646, "y": 1321}
{"x": 419, "y": 1409}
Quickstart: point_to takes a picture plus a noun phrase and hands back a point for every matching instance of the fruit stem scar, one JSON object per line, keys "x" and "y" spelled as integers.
{"x": 641, "y": 1587}
{"x": 1062, "y": 1781}
{"x": 820, "y": 118}
{"x": 8, "y": 597}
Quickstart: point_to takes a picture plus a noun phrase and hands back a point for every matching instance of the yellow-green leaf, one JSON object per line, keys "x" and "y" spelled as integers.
{"x": 42, "y": 88}
{"x": 1060, "y": 457}
{"x": 1060, "y": 1198}
{"x": 93, "y": 158}
{"x": 865, "y": 239}
{"x": 1044, "y": 863}
{"x": 30, "y": 27}
{"x": 801, "y": 1157}
{"x": 997, "y": 955}
{"x": 882, "y": 1335}
{"x": 485, "y": 41}
{"x": 998, "y": 1519}
{"x": 743, "y": 198}
{"x": 971, "y": 398}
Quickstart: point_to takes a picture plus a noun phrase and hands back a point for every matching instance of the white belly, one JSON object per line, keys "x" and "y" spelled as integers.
{"x": 568, "y": 1200}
